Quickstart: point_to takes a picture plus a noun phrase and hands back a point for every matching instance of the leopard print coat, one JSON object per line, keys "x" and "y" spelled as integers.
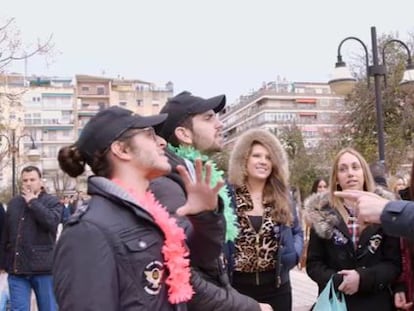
{"x": 254, "y": 251}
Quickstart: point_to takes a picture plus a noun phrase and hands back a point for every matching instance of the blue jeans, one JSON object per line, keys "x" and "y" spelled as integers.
{"x": 20, "y": 288}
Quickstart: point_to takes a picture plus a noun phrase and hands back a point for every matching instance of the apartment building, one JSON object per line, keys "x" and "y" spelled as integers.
{"x": 53, "y": 111}
{"x": 144, "y": 98}
{"x": 312, "y": 107}
{"x": 49, "y": 118}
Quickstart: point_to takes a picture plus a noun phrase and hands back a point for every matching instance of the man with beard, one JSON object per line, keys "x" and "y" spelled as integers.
{"x": 194, "y": 131}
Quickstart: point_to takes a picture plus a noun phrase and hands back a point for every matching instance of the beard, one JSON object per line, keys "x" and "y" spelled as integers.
{"x": 153, "y": 163}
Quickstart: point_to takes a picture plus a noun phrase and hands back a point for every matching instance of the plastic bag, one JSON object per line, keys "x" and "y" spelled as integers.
{"x": 330, "y": 300}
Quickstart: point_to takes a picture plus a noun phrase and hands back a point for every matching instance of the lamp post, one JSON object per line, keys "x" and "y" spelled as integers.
{"x": 342, "y": 81}
{"x": 13, "y": 149}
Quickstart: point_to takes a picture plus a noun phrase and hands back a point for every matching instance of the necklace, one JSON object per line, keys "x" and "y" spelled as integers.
{"x": 190, "y": 153}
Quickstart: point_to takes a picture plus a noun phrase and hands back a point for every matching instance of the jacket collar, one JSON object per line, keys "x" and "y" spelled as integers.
{"x": 106, "y": 188}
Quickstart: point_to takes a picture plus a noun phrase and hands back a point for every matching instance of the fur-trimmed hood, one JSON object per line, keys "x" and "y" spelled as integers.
{"x": 323, "y": 218}
{"x": 239, "y": 154}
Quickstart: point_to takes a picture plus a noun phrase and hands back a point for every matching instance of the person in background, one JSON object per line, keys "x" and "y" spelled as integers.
{"x": 319, "y": 185}
{"x": 397, "y": 184}
{"x": 4, "y": 288}
{"x": 270, "y": 240}
{"x": 28, "y": 242}
{"x": 67, "y": 209}
{"x": 404, "y": 290}
{"x": 361, "y": 258}
{"x": 379, "y": 173}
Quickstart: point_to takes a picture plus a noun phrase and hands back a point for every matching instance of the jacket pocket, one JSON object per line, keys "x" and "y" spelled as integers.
{"x": 40, "y": 258}
{"x": 144, "y": 263}
{"x": 139, "y": 245}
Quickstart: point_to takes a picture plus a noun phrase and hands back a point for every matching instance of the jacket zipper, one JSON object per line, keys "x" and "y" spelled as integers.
{"x": 18, "y": 237}
{"x": 257, "y": 244}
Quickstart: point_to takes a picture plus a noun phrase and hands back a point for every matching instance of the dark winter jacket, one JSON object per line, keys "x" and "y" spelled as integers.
{"x": 205, "y": 238}
{"x": 29, "y": 235}
{"x": 376, "y": 258}
{"x": 109, "y": 256}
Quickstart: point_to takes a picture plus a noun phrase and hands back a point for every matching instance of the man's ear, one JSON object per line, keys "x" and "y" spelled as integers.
{"x": 120, "y": 150}
{"x": 184, "y": 135}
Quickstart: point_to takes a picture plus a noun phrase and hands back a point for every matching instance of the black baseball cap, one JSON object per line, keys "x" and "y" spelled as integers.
{"x": 184, "y": 105}
{"x": 108, "y": 125}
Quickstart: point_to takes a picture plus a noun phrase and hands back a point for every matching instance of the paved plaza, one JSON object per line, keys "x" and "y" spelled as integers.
{"x": 304, "y": 289}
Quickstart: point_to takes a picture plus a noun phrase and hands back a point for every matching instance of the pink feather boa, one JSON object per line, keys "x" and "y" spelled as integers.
{"x": 174, "y": 250}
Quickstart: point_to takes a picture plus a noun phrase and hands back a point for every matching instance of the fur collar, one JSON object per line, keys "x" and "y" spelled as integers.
{"x": 323, "y": 217}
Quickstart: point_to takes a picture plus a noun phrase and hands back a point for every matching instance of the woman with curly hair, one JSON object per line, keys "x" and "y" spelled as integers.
{"x": 270, "y": 239}
{"x": 362, "y": 260}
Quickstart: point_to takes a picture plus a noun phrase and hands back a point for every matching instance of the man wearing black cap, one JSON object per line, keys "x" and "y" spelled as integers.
{"x": 123, "y": 251}
{"x": 194, "y": 131}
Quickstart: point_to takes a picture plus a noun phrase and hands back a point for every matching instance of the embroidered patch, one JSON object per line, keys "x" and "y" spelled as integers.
{"x": 374, "y": 242}
{"x": 339, "y": 238}
{"x": 153, "y": 274}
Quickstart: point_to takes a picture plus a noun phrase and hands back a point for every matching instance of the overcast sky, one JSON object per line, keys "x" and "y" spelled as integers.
{"x": 206, "y": 47}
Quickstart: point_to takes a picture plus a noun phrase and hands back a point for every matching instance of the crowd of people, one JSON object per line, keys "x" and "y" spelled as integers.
{"x": 164, "y": 228}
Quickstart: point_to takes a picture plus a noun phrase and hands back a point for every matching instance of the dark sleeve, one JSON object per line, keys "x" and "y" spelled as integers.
{"x": 47, "y": 211}
{"x": 85, "y": 274}
{"x": 382, "y": 274}
{"x": 2, "y": 219}
{"x": 316, "y": 267}
{"x": 297, "y": 233}
{"x": 204, "y": 232}
{"x": 397, "y": 219}
{"x": 208, "y": 296}
{"x": 4, "y": 242}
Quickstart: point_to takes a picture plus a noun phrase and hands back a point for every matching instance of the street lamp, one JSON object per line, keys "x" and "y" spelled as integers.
{"x": 343, "y": 82}
{"x": 13, "y": 148}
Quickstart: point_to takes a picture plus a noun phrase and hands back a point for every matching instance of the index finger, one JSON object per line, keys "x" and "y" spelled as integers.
{"x": 349, "y": 194}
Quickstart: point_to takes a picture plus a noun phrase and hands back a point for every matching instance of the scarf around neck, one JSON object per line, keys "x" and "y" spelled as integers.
{"x": 191, "y": 154}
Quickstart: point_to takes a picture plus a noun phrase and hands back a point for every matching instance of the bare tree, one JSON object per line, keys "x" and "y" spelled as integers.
{"x": 61, "y": 183}
{"x": 13, "y": 49}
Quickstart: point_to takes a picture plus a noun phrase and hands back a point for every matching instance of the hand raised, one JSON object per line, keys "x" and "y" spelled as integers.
{"x": 28, "y": 194}
{"x": 201, "y": 196}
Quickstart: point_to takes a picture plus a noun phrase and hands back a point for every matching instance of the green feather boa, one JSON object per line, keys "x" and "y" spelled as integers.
{"x": 192, "y": 154}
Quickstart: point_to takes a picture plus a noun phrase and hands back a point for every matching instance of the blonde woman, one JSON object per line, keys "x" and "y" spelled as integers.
{"x": 360, "y": 257}
{"x": 270, "y": 239}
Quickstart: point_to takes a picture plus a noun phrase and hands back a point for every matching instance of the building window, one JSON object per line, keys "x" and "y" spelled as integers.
{"x": 139, "y": 102}
{"x": 85, "y": 88}
{"x": 66, "y": 133}
{"x": 100, "y": 90}
{"x": 122, "y": 103}
{"x": 52, "y": 135}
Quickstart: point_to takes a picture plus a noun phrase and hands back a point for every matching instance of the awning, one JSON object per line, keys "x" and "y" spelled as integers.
{"x": 306, "y": 100}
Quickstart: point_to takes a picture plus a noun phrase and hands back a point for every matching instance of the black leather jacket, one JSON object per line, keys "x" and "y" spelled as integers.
{"x": 29, "y": 235}
{"x": 109, "y": 256}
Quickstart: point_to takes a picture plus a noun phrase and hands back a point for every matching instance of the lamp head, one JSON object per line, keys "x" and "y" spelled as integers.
{"x": 342, "y": 82}
{"x": 407, "y": 81}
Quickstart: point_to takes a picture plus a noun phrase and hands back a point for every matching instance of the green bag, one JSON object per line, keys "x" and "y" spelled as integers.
{"x": 330, "y": 300}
